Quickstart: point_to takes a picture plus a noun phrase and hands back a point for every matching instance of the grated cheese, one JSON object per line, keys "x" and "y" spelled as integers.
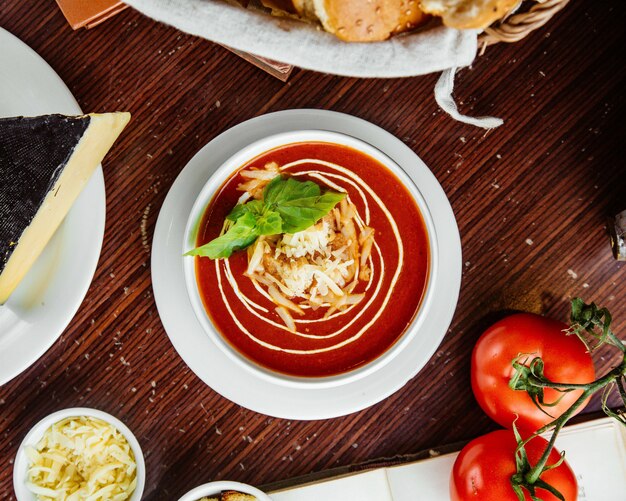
{"x": 307, "y": 242}
{"x": 82, "y": 459}
{"x": 316, "y": 268}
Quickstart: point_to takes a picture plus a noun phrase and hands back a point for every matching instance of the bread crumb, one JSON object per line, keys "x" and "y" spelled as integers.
{"x": 572, "y": 274}
{"x": 529, "y": 241}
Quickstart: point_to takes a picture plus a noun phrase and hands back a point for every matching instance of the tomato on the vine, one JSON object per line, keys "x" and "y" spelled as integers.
{"x": 483, "y": 470}
{"x": 566, "y": 360}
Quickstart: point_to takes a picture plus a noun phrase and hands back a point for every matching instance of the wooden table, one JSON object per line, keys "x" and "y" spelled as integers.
{"x": 531, "y": 199}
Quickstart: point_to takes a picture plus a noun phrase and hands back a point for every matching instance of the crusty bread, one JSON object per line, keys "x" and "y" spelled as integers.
{"x": 236, "y": 496}
{"x": 368, "y": 20}
{"x": 281, "y": 5}
{"x": 469, "y": 14}
{"x": 376, "y": 20}
{"x": 356, "y": 20}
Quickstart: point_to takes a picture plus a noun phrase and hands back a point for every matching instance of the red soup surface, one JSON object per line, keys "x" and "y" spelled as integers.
{"x": 246, "y": 318}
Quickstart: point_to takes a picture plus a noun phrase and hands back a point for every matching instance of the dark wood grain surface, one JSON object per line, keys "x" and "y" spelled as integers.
{"x": 531, "y": 199}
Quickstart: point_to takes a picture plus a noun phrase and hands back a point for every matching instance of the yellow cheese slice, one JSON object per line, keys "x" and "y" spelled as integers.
{"x": 91, "y": 147}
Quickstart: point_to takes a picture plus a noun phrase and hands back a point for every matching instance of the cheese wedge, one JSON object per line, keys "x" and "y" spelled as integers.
{"x": 45, "y": 162}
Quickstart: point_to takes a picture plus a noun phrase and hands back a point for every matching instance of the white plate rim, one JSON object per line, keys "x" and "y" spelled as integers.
{"x": 80, "y": 235}
{"x": 207, "y": 361}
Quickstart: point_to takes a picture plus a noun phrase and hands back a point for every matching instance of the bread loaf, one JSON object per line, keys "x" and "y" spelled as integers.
{"x": 469, "y": 14}
{"x": 356, "y": 20}
{"x": 377, "y": 20}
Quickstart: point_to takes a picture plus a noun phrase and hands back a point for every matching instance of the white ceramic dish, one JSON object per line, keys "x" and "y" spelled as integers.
{"x": 208, "y": 361}
{"x": 208, "y": 192}
{"x": 215, "y": 488}
{"x": 20, "y": 466}
{"x": 50, "y": 294}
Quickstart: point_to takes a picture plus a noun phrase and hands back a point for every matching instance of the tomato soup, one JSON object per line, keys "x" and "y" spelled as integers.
{"x": 322, "y": 345}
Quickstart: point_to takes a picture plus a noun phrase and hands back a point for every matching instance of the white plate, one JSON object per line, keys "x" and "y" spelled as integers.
{"x": 206, "y": 359}
{"x": 48, "y": 297}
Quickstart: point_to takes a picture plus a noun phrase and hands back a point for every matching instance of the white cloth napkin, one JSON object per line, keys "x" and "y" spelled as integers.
{"x": 426, "y": 51}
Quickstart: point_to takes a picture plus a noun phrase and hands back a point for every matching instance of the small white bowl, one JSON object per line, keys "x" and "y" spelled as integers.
{"x": 215, "y": 488}
{"x": 20, "y": 467}
{"x": 205, "y": 197}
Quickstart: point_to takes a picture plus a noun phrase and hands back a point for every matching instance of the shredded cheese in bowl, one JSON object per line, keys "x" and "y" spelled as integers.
{"x": 82, "y": 459}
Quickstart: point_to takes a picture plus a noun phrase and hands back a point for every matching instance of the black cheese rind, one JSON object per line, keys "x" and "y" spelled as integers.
{"x": 33, "y": 153}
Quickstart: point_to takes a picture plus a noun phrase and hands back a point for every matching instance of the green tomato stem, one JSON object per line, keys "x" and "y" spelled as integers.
{"x": 617, "y": 342}
{"x": 621, "y": 390}
{"x": 618, "y": 371}
{"x": 589, "y": 389}
{"x": 533, "y": 475}
{"x": 559, "y": 386}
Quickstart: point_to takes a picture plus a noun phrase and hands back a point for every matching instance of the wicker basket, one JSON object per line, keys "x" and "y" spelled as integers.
{"x": 515, "y": 26}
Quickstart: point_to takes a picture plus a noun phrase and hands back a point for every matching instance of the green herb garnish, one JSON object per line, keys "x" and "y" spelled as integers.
{"x": 288, "y": 206}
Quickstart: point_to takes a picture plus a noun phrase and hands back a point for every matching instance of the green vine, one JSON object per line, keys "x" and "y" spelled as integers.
{"x": 593, "y": 326}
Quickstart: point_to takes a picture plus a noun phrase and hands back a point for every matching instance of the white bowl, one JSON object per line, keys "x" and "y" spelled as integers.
{"x": 20, "y": 467}
{"x": 204, "y": 199}
{"x": 215, "y": 488}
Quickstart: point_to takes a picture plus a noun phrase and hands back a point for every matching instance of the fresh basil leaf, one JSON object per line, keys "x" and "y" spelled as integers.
{"x": 239, "y": 236}
{"x": 300, "y": 214}
{"x": 273, "y": 189}
{"x": 238, "y": 211}
{"x": 280, "y": 190}
{"x": 255, "y": 207}
{"x": 288, "y": 206}
{"x": 270, "y": 223}
{"x": 300, "y": 204}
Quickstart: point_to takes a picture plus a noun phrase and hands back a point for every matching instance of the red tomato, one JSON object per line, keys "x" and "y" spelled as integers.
{"x": 483, "y": 469}
{"x": 565, "y": 357}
